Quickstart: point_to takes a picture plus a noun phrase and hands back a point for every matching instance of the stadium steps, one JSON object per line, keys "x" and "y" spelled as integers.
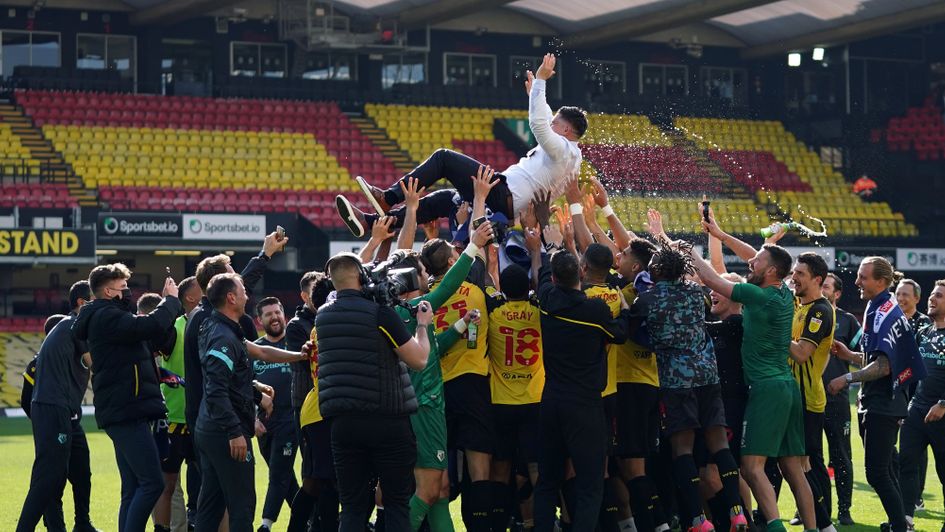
{"x": 378, "y": 136}
{"x": 43, "y": 150}
{"x": 730, "y": 188}
{"x": 32, "y": 138}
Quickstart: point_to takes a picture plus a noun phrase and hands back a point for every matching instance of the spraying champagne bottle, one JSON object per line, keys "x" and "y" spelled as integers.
{"x": 771, "y": 230}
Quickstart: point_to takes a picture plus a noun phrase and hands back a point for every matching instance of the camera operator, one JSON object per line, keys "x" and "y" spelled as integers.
{"x": 125, "y": 383}
{"x": 364, "y": 390}
{"x": 226, "y": 421}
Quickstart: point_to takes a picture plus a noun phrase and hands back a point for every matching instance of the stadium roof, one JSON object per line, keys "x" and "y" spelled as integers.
{"x": 763, "y": 26}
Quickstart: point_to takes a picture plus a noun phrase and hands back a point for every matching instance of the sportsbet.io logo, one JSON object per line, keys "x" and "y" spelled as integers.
{"x": 196, "y": 226}
{"x": 110, "y": 225}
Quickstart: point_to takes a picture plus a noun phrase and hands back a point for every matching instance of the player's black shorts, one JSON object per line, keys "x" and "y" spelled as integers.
{"x": 516, "y": 428}
{"x": 181, "y": 448}
{"x": 469, "y": 424}
{"x": 638, "y": 420}
{"x": 317, "y": 460}
{"x": 691, "y": 408}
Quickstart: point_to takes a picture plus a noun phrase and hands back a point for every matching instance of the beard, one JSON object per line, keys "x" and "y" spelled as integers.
{"x": 755, "y": 278}
{"x": 274, "y": 328}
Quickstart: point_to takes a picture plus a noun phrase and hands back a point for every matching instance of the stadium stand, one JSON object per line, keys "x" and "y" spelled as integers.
{"x": 145, "y": 152}
{"x": 36, "y": 195}
{"x": 420, "y": 130}
{"x": 922, "y": 129}
{"x": 826, "y": 195}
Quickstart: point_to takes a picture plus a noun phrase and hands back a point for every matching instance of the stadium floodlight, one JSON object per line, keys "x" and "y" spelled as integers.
{"x": 794, "y": 59}
{"x": 818, "y": 54}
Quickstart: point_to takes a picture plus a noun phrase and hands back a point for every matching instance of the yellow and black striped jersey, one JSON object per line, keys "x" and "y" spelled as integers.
{"x": 611, "y": 296}
{"x": 517, "y": 372}
{"x": 459, "y": 359}
{"x": 813, "y": 322}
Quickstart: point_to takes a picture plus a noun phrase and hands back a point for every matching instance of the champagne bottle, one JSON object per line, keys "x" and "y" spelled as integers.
{"x": 472, "y": 331}
{"x": 771, "y": 230}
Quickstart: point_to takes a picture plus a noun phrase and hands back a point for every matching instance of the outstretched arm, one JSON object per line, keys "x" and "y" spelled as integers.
{"x": 709, "y": 277}
{"x": 622, "y": 236}
{"x": 411, "y": 201}
{"x": 582, "y": 235}
{"x": 743, "y": 250}
{"x": 380, "y": 233}
{"x": 539, "y": 114}
{"x": 590, "y": 217}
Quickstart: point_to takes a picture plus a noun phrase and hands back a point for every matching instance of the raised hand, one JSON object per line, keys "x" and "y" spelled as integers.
{"x": 532, "y": 240}
{"x": 529, "y": 78}
{"x": 482, "y": 181}
{"x": 711, "y": 226}
{"x": 274, "y": 243}
{"x": 567, "y": 233}
{"x": 778, "y": 235}
{"x": 482, "y": 235}
{"x": 411, "y": 192}
{"x": 572, "y": 191}
{"x": 170, "y": 287}
{"x": 528, "y": 216}
{"x": 655, "y": 222}
{"x": 381, "y": 230}
{"x": 553, "y": 235}
{"x": 542, "y": 204}
{"x": 547, "y": 68}
{"x": 600, "y": 194}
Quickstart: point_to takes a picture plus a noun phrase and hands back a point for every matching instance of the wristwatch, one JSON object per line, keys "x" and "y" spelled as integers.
{"x": 848, "y": 377}
{"x": 941, "y": 403}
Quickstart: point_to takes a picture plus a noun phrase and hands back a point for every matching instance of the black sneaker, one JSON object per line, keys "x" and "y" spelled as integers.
{"x": 844, "y": 519}
{"x": 919, "y": 506}
{"x": 263, "y": 528}
{"x": 351, "y": 216}
{"x": 85, "y": 527}
{"x": 885, "y": 527}
{"x": 796, "y": 520}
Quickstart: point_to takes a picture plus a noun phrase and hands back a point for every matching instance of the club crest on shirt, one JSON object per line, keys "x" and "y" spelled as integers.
{"x": 440, "y": 455}
{"x": 62, "y": 438}
{"x": 814, "y": 325}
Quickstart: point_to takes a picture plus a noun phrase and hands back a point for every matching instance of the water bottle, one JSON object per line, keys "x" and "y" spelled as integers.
{"x": 771, "y": 230}
{"x": 472, "y": 331}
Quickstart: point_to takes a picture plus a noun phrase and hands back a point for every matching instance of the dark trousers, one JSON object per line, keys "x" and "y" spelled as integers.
{"x": 459, "y": 170}
{"x": 139, "y": 466}
{"x": 226, "y": 485}
{"x": 52, "y": 443}
{"x": 367, "y": 447}
{"x": 278, "y": 447}
{"x": 917, "y": 436}
{"x": 576, "y": 431}
{"x": 879, "y": 434}
{"x": 837, "y": 428}
{"x": 80, "y": 478}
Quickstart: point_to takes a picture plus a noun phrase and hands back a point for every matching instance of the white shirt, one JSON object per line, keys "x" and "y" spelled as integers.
{"x": 548, "y": 166}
